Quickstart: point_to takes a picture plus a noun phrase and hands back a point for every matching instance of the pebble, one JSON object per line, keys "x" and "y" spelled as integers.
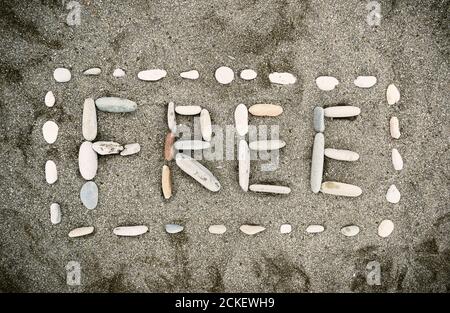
{"x": 81, "y": 231}
{"x": 131, "y": 148}
{"x": 326, "y": 83}
{"x": 173, "y": 228}
{"x": 350, "y": 230}
{"x": 251, "y": 229}
{"x": 169, "y": 151}
{"x": 152, "y": 75}
{"x": 49, "y": 99}
{"x": 55, "y": 213}
{"x": 224, "y": 75}
{"x": 107, "y": 147}
{"x": 241, "y": 119}
{"x": 340, "y": 189}
{"x": 248, "y": 74}
{"x": 217, "y": 229}
{"x": 317, "y": 162}
{"x": 265, "y": 145}
{"x": 192, "y": 74}
{"x": 205, "y": 125}
{"x": 385, "y": 228}
{"x": 62, "y": 75}
{"x": 341, "y": 111}
{"x": 50, "y": 131}
{"x": 87, "y": 161}
{"x": 118, "y": 72}
{"x": 341, "y": 155}
{"x": 319, "y": 120}
{"x": 265, "y": 109}
{"x": 166, "y": 182}
{"x": 244, "y": 165}
{"x": 392, "y": 94}
{"x": 285, "y": 228}
{"x": 51, "y": 173}
{"x": 188, "y": 109}
{"x": 89, "y": 195}
{"x": 191, "y": 145}
{"x": 365, "y": 81}
{"x": 115, "y": 105}
{"x": 282, "y": 78}
{"x": 197, "y": 171}
{"x": 397, "y": 160}
{"x": 89, "y": 123}
{"x": 171, "y": 119}
{"x": 93, "y": 71}
{"x": 314, "y": 229}
{"x": 394, "y": 126}
{"x": 130, "y": 231}
{"x": 393, "y": 195}
{"x": 270, "y": 189}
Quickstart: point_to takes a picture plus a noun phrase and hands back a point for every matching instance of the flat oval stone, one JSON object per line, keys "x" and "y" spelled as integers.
{"x": 49, "y": 99}
{"x": 244, "y": 165}
{"x": 397, "y": 160}
{"x": 340, "y": 189}
{"x": 365, "y": 81}
{"x": 192, "y": 74}
{"x": 342, "y": 111}
{"x": 188, "y": 109}
{"x": 393, "y": 195}
{"x": 197, "y": 171}
{"x": 152, "y": 75}
{"x": 191, "y": 145}
{"x": 130, "y": 231}
{"x": 55, "y": 213}
{"x": 93, "y": 71}
{"x": 314, "y": 229}
{"x": 173, "y": 228}
{"x": 270, "y": 189}
{"x": 251, "y": 229}
{"x": 394, "y": 126}
{"x": 392, "y": 94}
{"x": 341, "y": 155}
{"x": 171, "y": 119}
{"x": 81, "y": 231}
{"x": 50, "y": 131}
{"x": 217, "y": 229}
{"x": 317, "y": 162}
{"x": 282, "y": 78}
{"x": 265, "y": 109}
{"x": 87, "y": 161}
{"x": 89, "y": 123}
{"x": 224, "y": 75}
{"x": 115, "y": 105}
{"x": 62, "y": 75}
{"x": 107, "y": 147}
{"x": 169, "y": 150}
{"x": 248, "y": 74}
{"x": 350, "y": 230}
{"x": 131, "y": 148}
{"x": 118, "y": 72}
{"x": 166, "y": 182}
{"x": 241, "y": 119}
{"x": 326, "y": 83}
{"x": 51, "y": 173}
{"x": 319, "y": 120}
{"x": 89, "y": 195}
{"x": 265, "y": 145}
{"x": 205, "y": 125}
{"x": 285, "y": 228}
{"x": 385, "y": 228}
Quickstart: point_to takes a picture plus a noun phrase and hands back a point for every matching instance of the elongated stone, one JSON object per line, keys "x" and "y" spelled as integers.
{"x": 365, "y": 81}
{"x": 166, "y": 182}
{"x": 55, "y": 213}
{"x": 81, "y": 231}
{"x": 118, "y": 72}
{"x": 197, "y": 171}
{"x": 285, "y": 228}
{"x": 51, "y": 173}
{"x": 393, "y": 195}
{"x": 62, "y": 75}
{"x": 191, "y": 145}
{"x": 265, "y": 109}
{"x": 317, "y": 162}
{"x": 131, "y": 148}
{"x": 171, "y": 118}
{"x": 248, "y": 74}
{"x": 282, "y": 78}
{"x": 169, "y": 150}
{"x": 50, "y": 131}
{"x": 217, "y": 229}
{"x": 49, "y": 99}
{"x": 319, "y": 120}
{"x": 152, "y": 75}
{"x": 341, "y": 155}
{"x": 392, "y": 94}
{"x": 270, "y": 189}
{"x": 93, "y": 71}
{"x": 326, "y": 83}
{"x": 340, "y": 189}
{"x": 89, "y": 123}
{"x": 115, "y": 105}
{"x": 205, "y": 125}
{"x": 224, "y": 75}
{"x": 188, "y": 109}
{"x": 251, "y": 229}
{"x": 130, "y": 231}
{"x": 244, "y": 165}
{"x": 394, "y": 126}
{"x": 266, "y": 145}
{"x": 89, "y": 195}
{"x": 174, "y": 228}
{"x": 87, "y": 161}
{"x": 107, "y": 147}
{"x": 241, "y": 119}
{"x": 350, "y": 230}
{"x": 314, "y": 229}
{"x": 397, "y": 160}
{"x": 385, "y": 228}
{"x": 342, "y": 111}
{"x": 192, "y": 74}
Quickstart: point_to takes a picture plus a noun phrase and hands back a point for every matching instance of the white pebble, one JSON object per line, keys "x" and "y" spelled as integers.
{"x": 118, "y": 72}
{"x": 192, "y": 74}
{"x": 385, "y": 228}
{"x": 131, "y": 148}
{"x": 217, "y": 229}
{"x": 285, "y": 228}
{"x": 51, "y": 173}
{"x": 130, "y": 231}
{"x": 342, "y": 111}
{"x": 173, "y": 228}
{"x": 50, "y": 131}
{"x": 265, "y": 145}
{"x": 270, "y": 189}
{"x": 313, "y": 229}
{"x": 365, "y": 81}
{"x": 350, "y": 230}
{"x": 89, "y": 122}
{"x": 393, "y": 195}
{"x": 317, "y": 163}
{"x": 107, "y": 147}
{"x": 171, "y": 118}
{"x": 191, "y": 145}
{"x": 251, "y": 229}
{"x": 81, "y": 231}
{"x": 248, "y": 74}
{"x": 394, "y": 126}
{"x": 93, "y": 71}
{"x": 241, "y": 119}
{"x": 87, "y": 161}
{"x": 326, "y": 83}
{"x": 62, "y": 75}
{"x": 224, "y": 75}
{"x": 244, "y": 165}
{"x": 282, "y": 78}
{"x": 55, "y": 213}
{"x": 397, "y": 160}
{"x": 152, "y": 75}
{"x": 392, "y": 94}
{"x": 340, "y": 189}
{"x": 197, "y": 171}
{"x": 205, "y": 125}
{"x": 49, "y": 99}
{"x": 341, "y": 155}
{"x": 188, "y": 109}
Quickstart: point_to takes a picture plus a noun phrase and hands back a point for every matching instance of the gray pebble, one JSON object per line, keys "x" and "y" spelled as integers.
{"x": 319, "y": 120}
{"x": 89, "y": 195}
